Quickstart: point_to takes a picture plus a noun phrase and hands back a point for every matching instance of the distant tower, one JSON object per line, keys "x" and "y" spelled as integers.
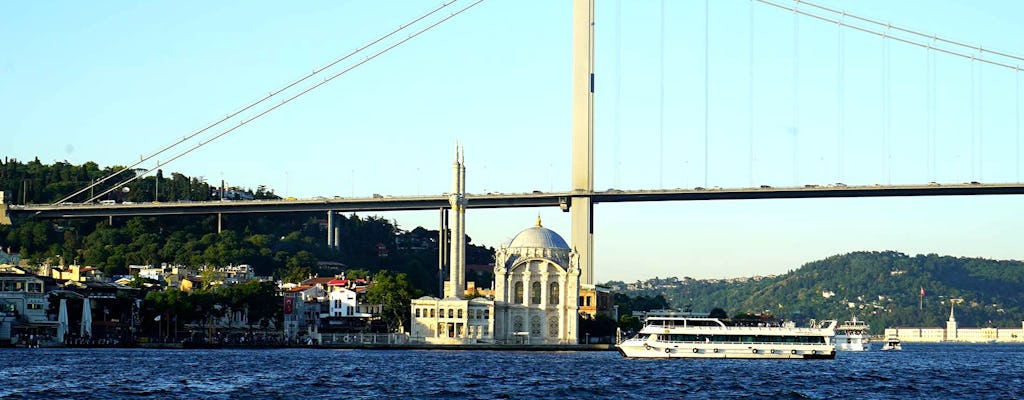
{"x": 951, "y": 323}
{"x": 457, "y": 201}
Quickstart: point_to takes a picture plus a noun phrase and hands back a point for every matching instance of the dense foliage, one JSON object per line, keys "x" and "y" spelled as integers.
{"x": 287, "y": 246}
{"x": 882, "y": 288}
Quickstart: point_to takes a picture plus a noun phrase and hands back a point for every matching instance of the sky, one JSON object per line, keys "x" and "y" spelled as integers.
{"x": 729, "y": 93}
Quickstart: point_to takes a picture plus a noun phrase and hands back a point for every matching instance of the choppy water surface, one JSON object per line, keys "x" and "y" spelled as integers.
{"x": 919, "y": 371}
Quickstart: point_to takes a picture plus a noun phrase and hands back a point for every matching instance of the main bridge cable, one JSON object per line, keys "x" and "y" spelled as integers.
{"x": 286, "y": 101}
{"x": 980, "y": 49}
{"x": 255, "y": 103}
{"x": 900, "y": 39}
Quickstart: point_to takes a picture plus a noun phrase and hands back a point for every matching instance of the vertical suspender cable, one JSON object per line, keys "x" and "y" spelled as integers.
{"x": 928, "y": 114}
{"x": 707, "y": 105}
{"x": 661, "y": 99}
{"x": 840, "y": 100}
{"x": 618, "y": 88}
{"x": 981, "y": 122}
{"x": 796, "y": 101}
{"x": 1017, "y": 93}
{"x": 973, "y": 120}
{"x": 886, "y": 81}
{"x": 750, "y": 102}
{"x": 882, "y": 106}
{"x": 935, "y": 115}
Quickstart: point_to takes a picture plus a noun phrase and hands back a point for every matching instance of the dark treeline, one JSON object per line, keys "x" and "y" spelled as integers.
{"x": 290, "y": 246}
{"x": 882, "y": 288}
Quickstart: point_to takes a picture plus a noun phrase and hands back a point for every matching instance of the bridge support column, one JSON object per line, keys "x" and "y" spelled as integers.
{"x": 330, "y": 229}
{"x": 4, "y": 218}
{"x": 220, "y": 224}
{"x": 442, "y": 251}
{"x": 337, "y": 237}
{"x": 581, "y": 209}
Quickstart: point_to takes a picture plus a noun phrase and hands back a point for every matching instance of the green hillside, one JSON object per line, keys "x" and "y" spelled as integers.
{"x": 882, "y": 288}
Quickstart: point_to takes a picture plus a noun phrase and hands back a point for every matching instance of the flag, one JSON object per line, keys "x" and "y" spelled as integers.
{"x": 922, "y": 292}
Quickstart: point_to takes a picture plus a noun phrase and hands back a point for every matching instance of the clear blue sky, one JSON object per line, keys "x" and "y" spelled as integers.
{"x": 111, "y": 81}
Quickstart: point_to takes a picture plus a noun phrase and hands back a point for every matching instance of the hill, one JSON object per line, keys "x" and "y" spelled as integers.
{"x": 882, "y": 288}
{"x": 288, "y": 246}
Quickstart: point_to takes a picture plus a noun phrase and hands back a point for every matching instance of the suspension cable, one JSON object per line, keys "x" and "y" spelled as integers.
{"x": 841, "y": 99}
{"x": 707, "y": 87}
{"x": 896, "y": 38}
{"x": 618, "y": 90}
{"x": 750, "y": 98}
{"x": 289, "y": 99}
{"x": 257, "y": 102}
{"x": 979, "y": 49}
{"x": 661, "y": 98}
{"x": 796, "y": 99}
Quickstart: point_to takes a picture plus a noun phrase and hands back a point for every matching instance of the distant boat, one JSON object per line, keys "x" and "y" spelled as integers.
{"x": 700, "y": 337}
{"x": 852, "y": 336}
{"x": 892, "y": 343}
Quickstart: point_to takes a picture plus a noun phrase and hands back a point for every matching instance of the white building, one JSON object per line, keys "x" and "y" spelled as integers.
{"x": 953, "y": 333}
{"x": 537, "y": 283}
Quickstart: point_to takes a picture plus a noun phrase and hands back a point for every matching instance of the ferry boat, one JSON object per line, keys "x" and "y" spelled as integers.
{"x": 705, "y": 337}
{"x": 892, "y": 343}
{"x": 852, "y": 335}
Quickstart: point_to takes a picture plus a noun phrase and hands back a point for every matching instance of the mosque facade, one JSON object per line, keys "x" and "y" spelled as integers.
{"x": 536, "y": 287}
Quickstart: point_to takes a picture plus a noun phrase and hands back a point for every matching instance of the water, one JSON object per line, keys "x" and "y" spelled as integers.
{"x": 919, "y": 371}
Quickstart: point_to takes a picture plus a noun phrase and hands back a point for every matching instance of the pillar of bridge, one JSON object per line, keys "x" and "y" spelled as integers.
{"x": 219, "y": 223}
{"x": 442, "y": 251}
{"x": 4, "y": 218}
{"x": 581, "y": 209}
{"x": 337, "y": 237}
{"x": 330, "y": 229}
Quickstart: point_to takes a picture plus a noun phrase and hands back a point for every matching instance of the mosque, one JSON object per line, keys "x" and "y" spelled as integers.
{"x": 536, "y": 287}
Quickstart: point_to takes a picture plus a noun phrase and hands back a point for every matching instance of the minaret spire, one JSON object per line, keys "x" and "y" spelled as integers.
{"x": 457, "y": 202}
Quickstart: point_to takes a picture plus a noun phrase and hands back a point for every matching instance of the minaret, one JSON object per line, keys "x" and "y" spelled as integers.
{"x": 457, "y": 201}
{"x": 951, "y": 334}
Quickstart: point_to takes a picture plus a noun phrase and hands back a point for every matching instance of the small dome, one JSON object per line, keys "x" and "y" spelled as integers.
{"x": 538, "y": 237}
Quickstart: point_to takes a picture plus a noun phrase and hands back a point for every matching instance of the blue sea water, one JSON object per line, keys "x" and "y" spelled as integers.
{"x": 919, "y": 371}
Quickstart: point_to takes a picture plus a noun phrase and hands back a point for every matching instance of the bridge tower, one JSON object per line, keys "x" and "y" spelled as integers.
{"x": 581, "y": 208}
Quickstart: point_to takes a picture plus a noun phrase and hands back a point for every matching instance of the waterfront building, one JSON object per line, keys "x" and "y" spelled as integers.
{"x": 23, "y": 306}
{"x": 536, "y": 289}
{"x": 953, "y": 333}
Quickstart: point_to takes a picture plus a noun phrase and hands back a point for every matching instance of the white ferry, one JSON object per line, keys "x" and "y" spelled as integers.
{"x": 852, "y": 336}
{"x": 702, "y": 337}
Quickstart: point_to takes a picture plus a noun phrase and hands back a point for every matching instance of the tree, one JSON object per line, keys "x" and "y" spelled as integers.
{"x": 394, "y": 293}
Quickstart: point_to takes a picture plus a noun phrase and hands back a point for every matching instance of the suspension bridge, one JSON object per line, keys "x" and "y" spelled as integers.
{"x": 865, "y": 131}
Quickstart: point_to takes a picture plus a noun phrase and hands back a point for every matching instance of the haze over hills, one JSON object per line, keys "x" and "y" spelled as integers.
{"x": 882, "y": 288}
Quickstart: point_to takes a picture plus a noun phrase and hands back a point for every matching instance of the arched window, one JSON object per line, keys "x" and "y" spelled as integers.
{"x": 535, "y": 293}
{"x": 519, "y": 293}
{"x": 431, "y": 313}
{"x": 451, "y": 313}
{"x": 460, "y": 313}
{"x": 553, "y": 294}
{"x": 487, "y": 314}
{"x": 417, "y": 313}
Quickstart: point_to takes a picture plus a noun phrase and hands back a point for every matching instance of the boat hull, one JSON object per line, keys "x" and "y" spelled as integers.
{"x": 643, "y": 349}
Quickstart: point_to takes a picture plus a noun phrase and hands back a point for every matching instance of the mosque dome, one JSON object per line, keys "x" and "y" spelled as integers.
{"x": 538, "y": 237}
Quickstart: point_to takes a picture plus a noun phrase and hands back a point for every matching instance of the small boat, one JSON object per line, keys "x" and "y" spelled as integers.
{"x": 852, "y": 335}
{"x": 892, "y": 343}
{"x": 684, "y": 336}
